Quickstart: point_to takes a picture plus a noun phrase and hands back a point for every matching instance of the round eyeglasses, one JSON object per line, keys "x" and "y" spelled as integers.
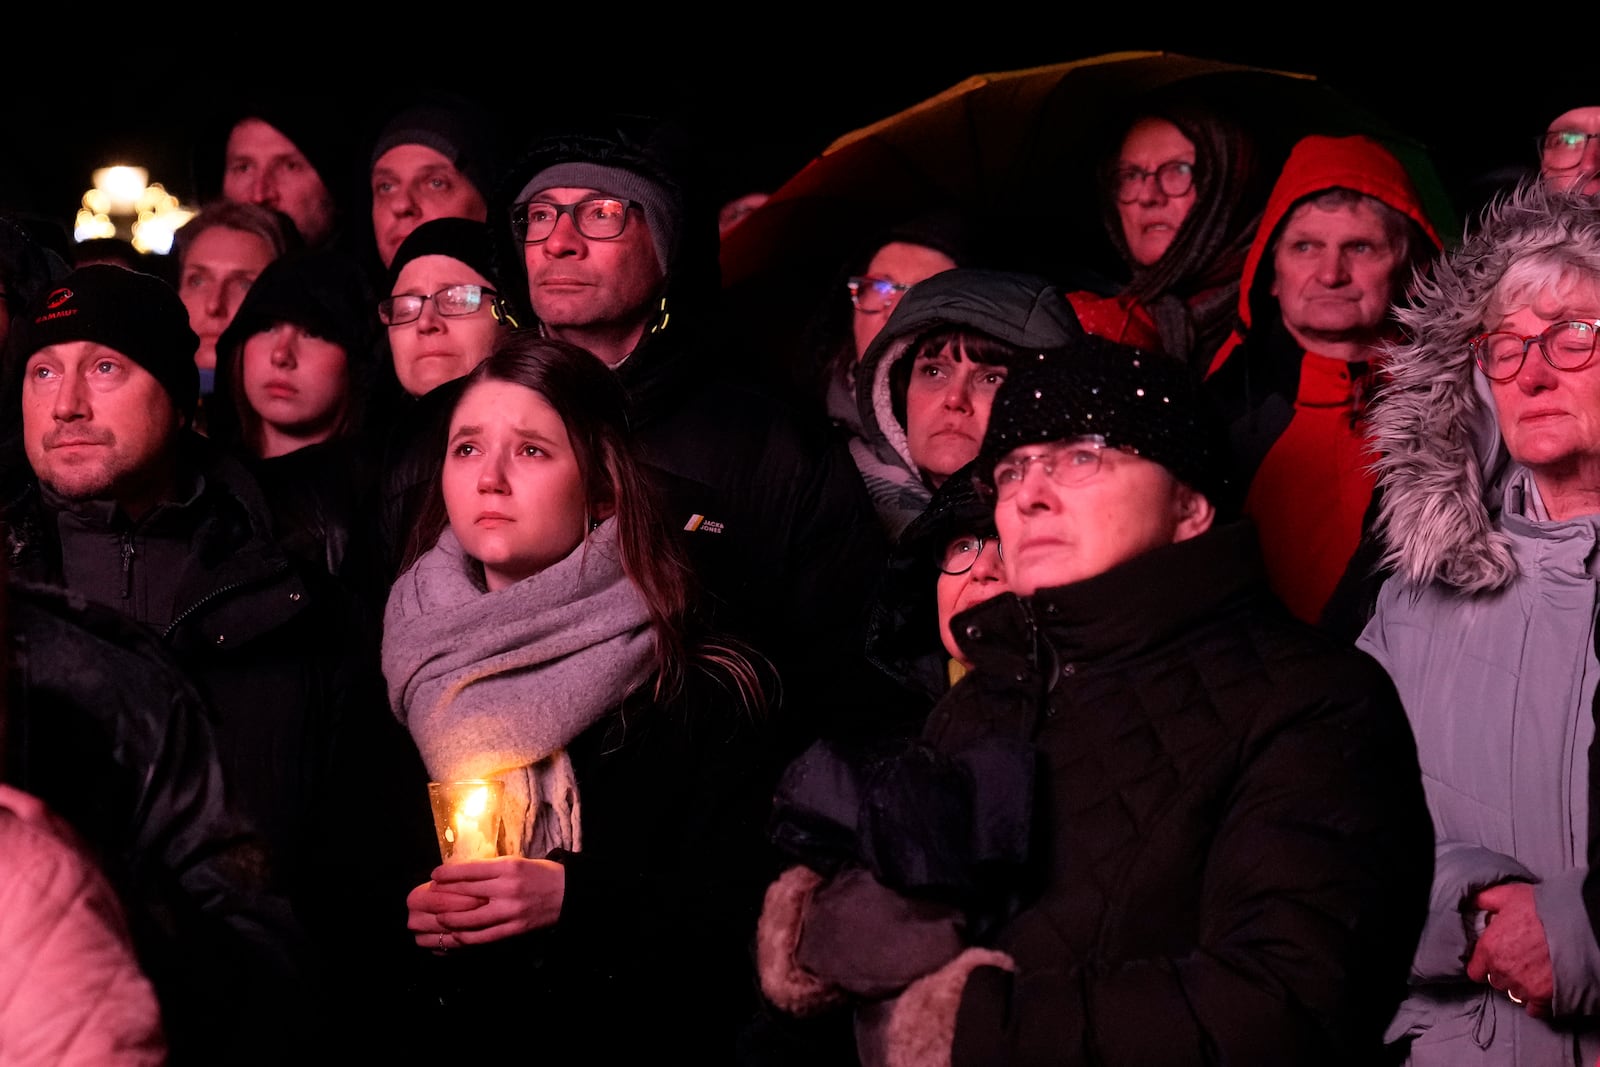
{"x": 873, "y": 296}
{"x": 452, "y": 301}
{"x": 1563, "y": 149}
{"x": 1066, "y": 464}
{"x": 961, "y": 554}
{"x": 599, "y": 218}
{"x": 1173, "y": 178}
{"x": 1565, "y": 346}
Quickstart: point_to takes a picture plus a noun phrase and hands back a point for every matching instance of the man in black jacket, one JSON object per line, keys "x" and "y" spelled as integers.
{"x": 604, "y": 239}
{"x": 121, "y": 503}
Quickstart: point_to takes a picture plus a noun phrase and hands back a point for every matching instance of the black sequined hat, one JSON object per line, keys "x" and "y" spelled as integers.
{"x": 1145, "y": 404}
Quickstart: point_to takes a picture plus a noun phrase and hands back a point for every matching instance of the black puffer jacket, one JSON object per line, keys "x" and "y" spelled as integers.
{"x": 1231, "y": 836}
{"x": 768, "y": 504}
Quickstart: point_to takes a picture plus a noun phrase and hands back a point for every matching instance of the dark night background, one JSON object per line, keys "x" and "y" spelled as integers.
{"x": 775, "y": 96}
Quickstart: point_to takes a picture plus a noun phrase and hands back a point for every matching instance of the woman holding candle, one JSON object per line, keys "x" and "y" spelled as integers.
{"x": 542, "y": 634}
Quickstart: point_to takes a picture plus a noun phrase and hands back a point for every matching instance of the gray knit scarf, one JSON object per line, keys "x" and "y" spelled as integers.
{"x": 497, "y": 684}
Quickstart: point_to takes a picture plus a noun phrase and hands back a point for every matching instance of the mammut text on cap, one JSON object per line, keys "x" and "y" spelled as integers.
{"x": 131, "y": 312}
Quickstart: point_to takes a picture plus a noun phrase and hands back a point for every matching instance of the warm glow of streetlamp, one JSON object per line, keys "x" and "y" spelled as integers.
{"x": 124, "y": 203}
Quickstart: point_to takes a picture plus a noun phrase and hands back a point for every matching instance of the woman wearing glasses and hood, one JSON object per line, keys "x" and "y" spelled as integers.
{"x": 1182, "y": 188}
{"x": 1489, "y": 437}
{"x": 926, "y": 382}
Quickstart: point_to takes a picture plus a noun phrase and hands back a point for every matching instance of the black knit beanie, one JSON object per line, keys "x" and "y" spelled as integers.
{"x": 322, "y": 292}
{"x": 467, "y": 240}
{"x": 459, "y": 132}
{"x": 136, "y": 314}
{"x": 1145, "y": 404}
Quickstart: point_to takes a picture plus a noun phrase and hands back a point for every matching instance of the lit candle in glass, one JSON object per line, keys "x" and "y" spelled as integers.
{"x": 466, "y": 817}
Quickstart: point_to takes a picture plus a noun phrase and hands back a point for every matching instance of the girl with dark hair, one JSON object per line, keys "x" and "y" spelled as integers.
{"x": 543, "y": 633}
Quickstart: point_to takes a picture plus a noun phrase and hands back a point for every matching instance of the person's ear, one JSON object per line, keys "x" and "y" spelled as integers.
{"x": 1195, "y": 513}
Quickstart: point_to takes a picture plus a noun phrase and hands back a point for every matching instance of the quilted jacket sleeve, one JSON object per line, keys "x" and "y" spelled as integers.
{"x": 71, "y": 990}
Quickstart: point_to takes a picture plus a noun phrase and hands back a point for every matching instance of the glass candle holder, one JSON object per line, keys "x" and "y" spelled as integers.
{"x": 466, "y": 818}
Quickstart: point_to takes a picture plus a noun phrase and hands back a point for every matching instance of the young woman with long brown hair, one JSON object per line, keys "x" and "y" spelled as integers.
{"x": 544, "y": 633}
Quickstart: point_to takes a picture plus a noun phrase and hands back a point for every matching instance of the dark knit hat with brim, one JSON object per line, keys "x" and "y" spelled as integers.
{"x": 1146, "y": 404}
{"x": 467, "y": 240}
{"x": 128, "y": 311}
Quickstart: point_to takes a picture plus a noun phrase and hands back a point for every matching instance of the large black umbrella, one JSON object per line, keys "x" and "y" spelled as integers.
{"x": 1014, "y": 150}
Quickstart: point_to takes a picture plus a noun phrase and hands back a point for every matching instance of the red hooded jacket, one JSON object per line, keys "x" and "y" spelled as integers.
{"x": 1303, "y": 452}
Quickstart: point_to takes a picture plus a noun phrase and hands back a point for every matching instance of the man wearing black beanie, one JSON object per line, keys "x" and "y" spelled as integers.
{"x": 123, "y": 504}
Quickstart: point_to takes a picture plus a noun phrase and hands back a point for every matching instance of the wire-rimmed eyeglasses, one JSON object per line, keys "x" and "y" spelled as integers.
{"x": 1173, "y": 178}
{"x": 1563, "y": 149}
{"x": 962, "y": 552}
{"x": 599, "y": 218}
{"x": 872, "y": 296}
{"x": 1564, "y": 345}
{"x": 1067, "y": 463}
{"x": 452, "y": 301}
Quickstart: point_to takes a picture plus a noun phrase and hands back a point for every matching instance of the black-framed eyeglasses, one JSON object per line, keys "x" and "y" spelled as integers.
{"x": 1565, "y": 346}
{"x": 962, "y": 553}
{"x": 1173, "y": 178}
{"x": 872, "y": 296}
{"x": 452, "y": 301}
{"x": 1563, "y": 149}
{"x": 599, "y": 218}
{"x": 1067, "y": 463}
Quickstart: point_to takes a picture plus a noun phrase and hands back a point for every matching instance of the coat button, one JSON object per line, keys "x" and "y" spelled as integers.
{"x": 294, "y": 596}
{"x": 1022, "y": 676}
{"x": 220, "y": 639}
{"x": 975, "y": 631}
{"x": 1068, "y": 671}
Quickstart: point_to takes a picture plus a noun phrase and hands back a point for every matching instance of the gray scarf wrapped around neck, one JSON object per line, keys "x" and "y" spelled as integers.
{"x": 497, "y": 684}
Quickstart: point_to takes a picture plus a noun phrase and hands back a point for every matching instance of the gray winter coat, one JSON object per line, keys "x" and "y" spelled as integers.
{"x": 1487, "y": 628}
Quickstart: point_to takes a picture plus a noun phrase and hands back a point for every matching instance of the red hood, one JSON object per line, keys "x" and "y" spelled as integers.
{"x": 1321, "y": 162}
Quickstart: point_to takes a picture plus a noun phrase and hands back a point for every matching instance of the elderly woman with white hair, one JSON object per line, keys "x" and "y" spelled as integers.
{"x": 1489, "y": 431}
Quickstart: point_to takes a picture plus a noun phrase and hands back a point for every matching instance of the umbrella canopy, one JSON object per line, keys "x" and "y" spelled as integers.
{"x": 1017, "y": 151}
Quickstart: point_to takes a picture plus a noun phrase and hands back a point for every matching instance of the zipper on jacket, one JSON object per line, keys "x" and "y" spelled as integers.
{"x": 178, "y": 619}
{"x": 127, "y": 564}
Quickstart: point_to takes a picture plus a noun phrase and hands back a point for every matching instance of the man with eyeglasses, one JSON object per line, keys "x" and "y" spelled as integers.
{"x": 1569, "y": 151}
{"x": 1229, "y": 853}
{"x": 608, "y": 239}
{"x": 1342, "y": 237}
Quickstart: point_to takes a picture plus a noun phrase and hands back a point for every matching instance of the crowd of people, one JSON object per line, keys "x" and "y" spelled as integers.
{"x": 1020, "y": 666}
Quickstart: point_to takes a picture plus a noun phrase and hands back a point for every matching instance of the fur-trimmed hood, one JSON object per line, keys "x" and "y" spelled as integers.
{"x": 1443, "y": 465}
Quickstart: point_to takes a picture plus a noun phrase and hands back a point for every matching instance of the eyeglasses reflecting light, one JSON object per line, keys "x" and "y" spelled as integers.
{"x": 453, "y": 301}
{"x": 599, "y": 218}
{"x": 1563, "y": 149}
{"x": 873, "y": 296}
{"x": 961, "y": 554}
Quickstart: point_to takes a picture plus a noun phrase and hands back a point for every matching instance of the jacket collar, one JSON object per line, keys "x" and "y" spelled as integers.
{"x": 1132, "y": 609}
